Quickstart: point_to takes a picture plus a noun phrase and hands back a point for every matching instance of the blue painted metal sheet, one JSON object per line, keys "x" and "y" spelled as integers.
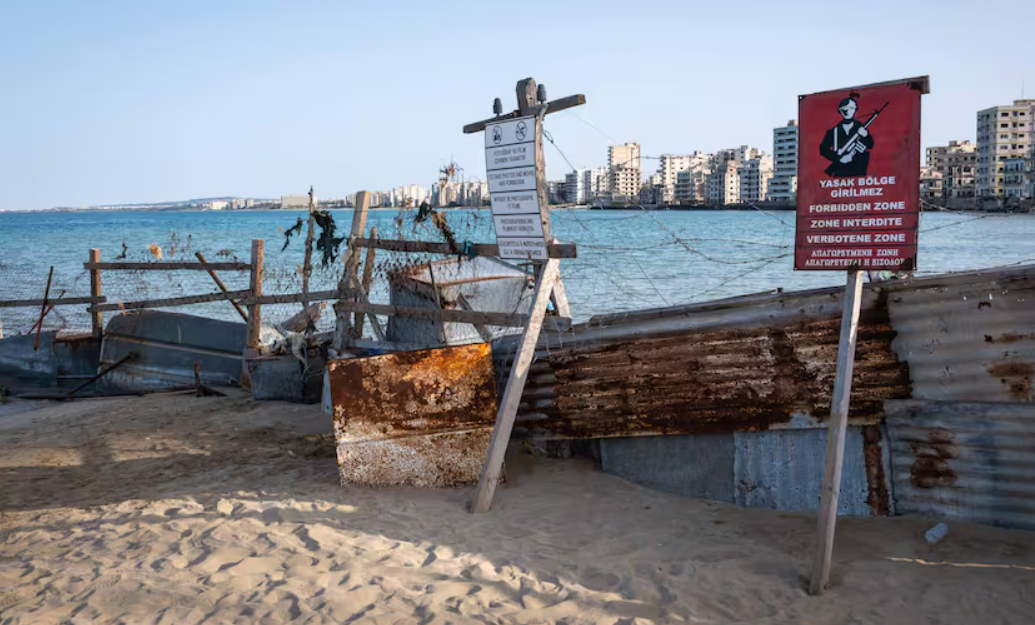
{"x": 783, "y": 470}
{"x": 167, "y": 346}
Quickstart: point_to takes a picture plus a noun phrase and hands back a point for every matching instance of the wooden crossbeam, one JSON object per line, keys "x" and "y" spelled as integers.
{"x": 61, "y": 301}
{"x": 169, "y": 266}
{"x": 554, "y": 106}
{"x": 556, "y": 250}
{"x": 171, "y": 301}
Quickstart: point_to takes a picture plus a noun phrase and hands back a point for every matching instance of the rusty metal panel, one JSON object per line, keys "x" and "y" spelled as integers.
{"x": 968, "y": 337}
{"x": 421, "y": 418}
{"x": 750, "y": 364}
{"x": 969, "y": 461}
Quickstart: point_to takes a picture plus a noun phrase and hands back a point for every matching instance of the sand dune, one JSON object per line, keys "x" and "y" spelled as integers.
{"x": 178, "y": 510}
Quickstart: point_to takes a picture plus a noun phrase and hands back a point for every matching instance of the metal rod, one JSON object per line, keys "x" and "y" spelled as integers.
{"x": 43, "y": 312}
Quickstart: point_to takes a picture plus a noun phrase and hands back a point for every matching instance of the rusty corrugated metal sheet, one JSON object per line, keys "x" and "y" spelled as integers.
{"x": 969, "y": 461}
{"x": 748, "y": 364}
{"x": 968, "y": 337}
{"x": 422, "y": 418}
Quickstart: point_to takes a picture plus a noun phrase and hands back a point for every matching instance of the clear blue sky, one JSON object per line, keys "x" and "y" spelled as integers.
{"x": 116, "y": 102}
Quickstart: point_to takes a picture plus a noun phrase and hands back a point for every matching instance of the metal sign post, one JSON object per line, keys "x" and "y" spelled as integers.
{"x": 516, "y": 172}
{"x": 858, "y": 208}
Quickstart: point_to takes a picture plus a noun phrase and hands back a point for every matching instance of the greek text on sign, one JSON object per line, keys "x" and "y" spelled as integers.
{"x": 521, "y": 130}
{"x": 516, "y": 203}
{"x": 522, "y": 248}
{"x": 518, "y": 225}
{"x": 519, "y": 179}
{"x": 522, "y": 154}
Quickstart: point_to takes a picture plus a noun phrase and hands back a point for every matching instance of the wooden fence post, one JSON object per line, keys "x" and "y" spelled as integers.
{"x": 96, "y": 316}
{"x": 368, "y": 279}
{"x": 343, "y": 321}
{"x": 255, "y": 286}
{"x": 836, "y": 434}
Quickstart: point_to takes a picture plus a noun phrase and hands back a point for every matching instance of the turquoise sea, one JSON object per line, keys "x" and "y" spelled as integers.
{"x": 627, "y": 259}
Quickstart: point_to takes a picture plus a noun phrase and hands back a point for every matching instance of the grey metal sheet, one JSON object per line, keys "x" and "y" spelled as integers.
{"x": 488, "y": 284}
{"x": 698, "y": 466}
{"x": 970, "y": 461}
{"x": 783, "y": 470}
{"x": 968, "y": 338}
{"x": 167, "y": 346}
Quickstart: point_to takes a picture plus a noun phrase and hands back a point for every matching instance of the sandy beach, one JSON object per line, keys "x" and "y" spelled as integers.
{"x": 178, "y": 510}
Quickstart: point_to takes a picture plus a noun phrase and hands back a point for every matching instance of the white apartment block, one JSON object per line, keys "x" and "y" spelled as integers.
{"x": 957, "y": 165}
{"x": 723, "y": 183}
{"x": 295, "y": 201}
{"x": 623, "y": 165}
{"x": 585, "y": 186}
{"x": 1004, "y": 133}
{"x": 755, "y": 175}
{"x": 784, "y": 185}
{"x": 691, "y": 185}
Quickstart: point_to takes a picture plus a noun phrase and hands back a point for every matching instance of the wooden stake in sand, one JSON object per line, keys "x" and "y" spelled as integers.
{"x": 836, "y": 435}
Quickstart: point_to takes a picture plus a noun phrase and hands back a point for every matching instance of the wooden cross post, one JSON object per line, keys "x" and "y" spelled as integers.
{"x": 515, "y": 166}
{"x": 836, "y": 434}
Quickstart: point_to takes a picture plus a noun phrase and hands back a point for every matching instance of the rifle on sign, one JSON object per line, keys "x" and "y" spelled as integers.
{"x": 854, "y": 139}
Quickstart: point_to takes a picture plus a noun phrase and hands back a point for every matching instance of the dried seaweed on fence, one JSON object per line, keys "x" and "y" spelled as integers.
{"x": 438, "y": 219}
{"x": 327, "y": 243}
{"x": 293, "y": 230}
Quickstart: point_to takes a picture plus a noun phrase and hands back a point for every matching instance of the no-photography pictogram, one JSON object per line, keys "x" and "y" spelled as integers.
{"x": 497, "y": 134}
{"x": 521, "y": 131}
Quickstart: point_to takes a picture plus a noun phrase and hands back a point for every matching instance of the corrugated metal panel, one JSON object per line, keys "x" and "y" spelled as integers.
{"x": 422, "y": 418}
{"x": 780, "y": 470}
{"x": 783, "y": 470}
{"x": 697, "y": 466}
{"x": 971, "y": 461}
{"x": 969, "y": 337}
{"x": 752, "y": 364}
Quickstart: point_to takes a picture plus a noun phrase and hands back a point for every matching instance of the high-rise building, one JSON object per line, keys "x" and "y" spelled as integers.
{"x": 691, "y": 185}
{"x": 784, "y": 185}
{"x": 1004, "y": 133}
{"x": 723, "y": 183}
{"x": 957, "y": 165}
{"x": 669, "y": 168}
{"x": 755, "y": 174}
{"x": 623, "y": 165}
{"x": 585, "y": 186}
{"x": 932, "y": 185}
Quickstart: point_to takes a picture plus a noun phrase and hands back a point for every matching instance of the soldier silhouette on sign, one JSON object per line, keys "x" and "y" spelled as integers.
{"x": 847, "y": 145}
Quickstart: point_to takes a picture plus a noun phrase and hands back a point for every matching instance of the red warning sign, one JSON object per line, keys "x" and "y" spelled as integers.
{"x": 859, "y": 177}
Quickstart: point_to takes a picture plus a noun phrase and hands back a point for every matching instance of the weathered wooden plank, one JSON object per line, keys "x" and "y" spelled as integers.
{"x": 836, "y": 438}
{"x": 171, "y": 301}
{"x": 556, "y": 250}
{"x": 168, "y": 266}
{"x": 61, "y": 301}
{"x": 551, "y": 107}
{"x": 96, "y": 317}
{"x": 556, "y": 324}
{"x": 508, "y": 407}
{"x": 255, "y": 290}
